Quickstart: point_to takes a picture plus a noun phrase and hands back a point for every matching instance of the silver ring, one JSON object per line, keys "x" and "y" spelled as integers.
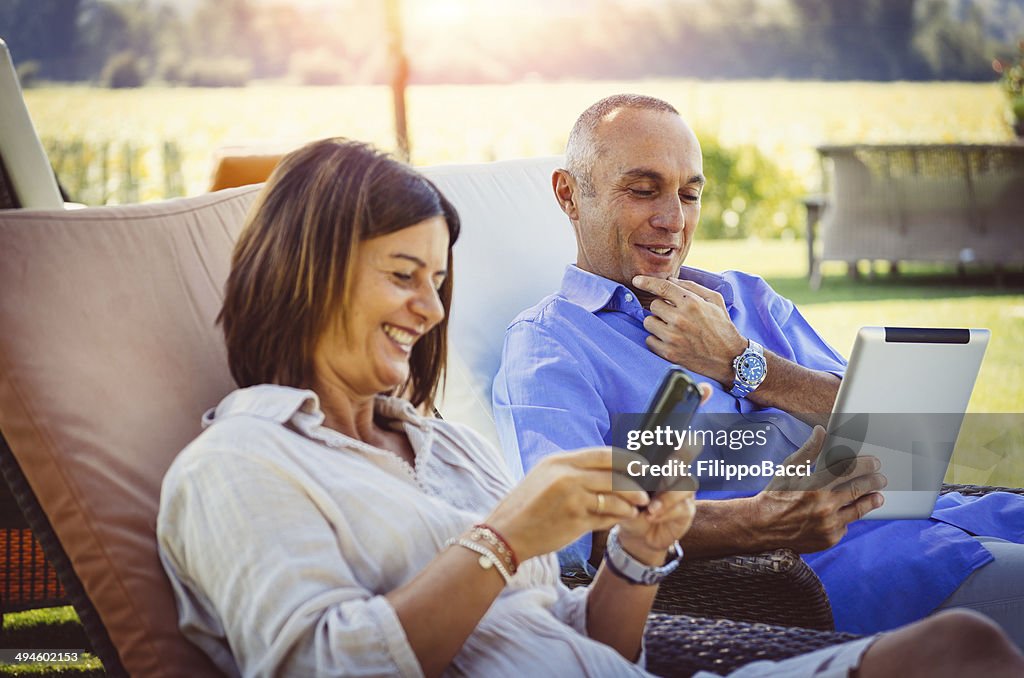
{"x": 600, "y": 503}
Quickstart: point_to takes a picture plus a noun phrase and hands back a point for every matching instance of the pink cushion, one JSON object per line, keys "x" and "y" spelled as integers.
{"x": 108, "y": 357}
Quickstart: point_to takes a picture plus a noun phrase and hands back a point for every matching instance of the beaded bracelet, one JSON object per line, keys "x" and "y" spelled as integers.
{"x": 486, "y": 533}
{"x": 487, "y": 558}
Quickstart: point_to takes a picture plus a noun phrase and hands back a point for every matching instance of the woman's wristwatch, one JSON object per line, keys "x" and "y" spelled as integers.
{"x": 632, "y": 570}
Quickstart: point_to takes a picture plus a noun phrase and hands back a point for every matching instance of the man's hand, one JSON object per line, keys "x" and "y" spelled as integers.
{"x": 811, "y": 514}
{"x": 690, "y": 326}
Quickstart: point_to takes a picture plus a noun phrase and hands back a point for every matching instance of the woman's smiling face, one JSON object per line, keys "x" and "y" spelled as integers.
{"x": 393, "y": 302}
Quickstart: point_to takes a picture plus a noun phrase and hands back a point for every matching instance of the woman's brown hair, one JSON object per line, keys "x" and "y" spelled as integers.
{"x": 291, "y": 269}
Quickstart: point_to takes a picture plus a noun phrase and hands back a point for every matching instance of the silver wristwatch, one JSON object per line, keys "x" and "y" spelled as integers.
{"x": 632, "y": 570}
{"x": 749, "y": 370}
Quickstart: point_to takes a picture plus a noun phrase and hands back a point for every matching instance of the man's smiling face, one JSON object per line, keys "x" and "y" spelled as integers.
{"x": 647, "y": 177}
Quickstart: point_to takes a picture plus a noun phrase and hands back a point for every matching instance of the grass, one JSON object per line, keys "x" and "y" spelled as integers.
{"x": 48, "y": 629}
{"x": 923, "y": 295}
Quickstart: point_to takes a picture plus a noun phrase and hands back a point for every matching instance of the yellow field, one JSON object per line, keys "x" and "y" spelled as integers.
{"x": 487, "y": 122}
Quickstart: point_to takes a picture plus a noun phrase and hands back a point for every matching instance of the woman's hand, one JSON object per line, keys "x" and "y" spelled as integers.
{"x": 648, "y": 536}
{"x": 616, "y": 608}
{"x": 566, "y": 496}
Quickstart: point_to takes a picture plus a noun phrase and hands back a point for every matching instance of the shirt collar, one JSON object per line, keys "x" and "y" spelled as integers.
{"x": 300, "y": 407}
{"x": 594, "y": 293}
{"x": 712, "y": 281}
{"x": 588, "y": 290}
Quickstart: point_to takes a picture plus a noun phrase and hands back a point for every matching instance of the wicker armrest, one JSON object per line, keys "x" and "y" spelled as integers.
{"x": 681, "y": 645}
{"x": 27, "y": 580}
{"x": 775, "y": 587}
{"x": 978, "y": 490}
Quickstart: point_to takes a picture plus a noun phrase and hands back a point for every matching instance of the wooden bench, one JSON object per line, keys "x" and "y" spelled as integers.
{"x": 955, "y": 203}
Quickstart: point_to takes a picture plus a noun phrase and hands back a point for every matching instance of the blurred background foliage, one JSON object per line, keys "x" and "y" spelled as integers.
{"x": 493, "y": 80}
{"x": 226, "y": 42}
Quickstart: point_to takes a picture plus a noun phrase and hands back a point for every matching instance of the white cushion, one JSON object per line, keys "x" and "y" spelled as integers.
{"x": 514, "y": 247}
{"x": 22, "y": 153}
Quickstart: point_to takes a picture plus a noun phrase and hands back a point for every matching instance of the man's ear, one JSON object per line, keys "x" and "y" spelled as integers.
{"x": 564, "y": 185}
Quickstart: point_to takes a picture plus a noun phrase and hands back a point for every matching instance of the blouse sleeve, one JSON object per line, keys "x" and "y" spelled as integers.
{"x": 256, "y": 568}
{"x": 571, "y": 609}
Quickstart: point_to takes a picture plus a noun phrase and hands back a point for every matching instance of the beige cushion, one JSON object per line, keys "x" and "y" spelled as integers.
{"x": 108, "y": 357}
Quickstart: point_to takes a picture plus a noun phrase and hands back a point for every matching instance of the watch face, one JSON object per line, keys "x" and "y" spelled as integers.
{"x": 751, "y": 368}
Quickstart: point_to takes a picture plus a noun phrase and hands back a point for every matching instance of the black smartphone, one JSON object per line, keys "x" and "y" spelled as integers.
{"x": 673, "y": 404}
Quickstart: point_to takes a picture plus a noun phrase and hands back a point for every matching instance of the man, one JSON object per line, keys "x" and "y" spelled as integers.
{"x": 627, "y": 310}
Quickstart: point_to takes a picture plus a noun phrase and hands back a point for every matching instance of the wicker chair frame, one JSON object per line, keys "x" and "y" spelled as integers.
{"x": 776, "y": 587}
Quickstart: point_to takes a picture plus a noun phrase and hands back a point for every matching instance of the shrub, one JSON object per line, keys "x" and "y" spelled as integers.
{"x": 747, "y": 194}
{"x": 1011, "y": 77}
{"x": 28, "y": 73}
{"x": 171, "y": 68}
{"x": 1017, "y": 106}
{"x": 318, "y": 67}
{"x": 226, "y": 72}
{"x": 122, "y": 70}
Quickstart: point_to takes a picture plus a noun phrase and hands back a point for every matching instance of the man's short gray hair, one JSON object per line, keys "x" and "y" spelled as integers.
{"x": 581, "y": 151}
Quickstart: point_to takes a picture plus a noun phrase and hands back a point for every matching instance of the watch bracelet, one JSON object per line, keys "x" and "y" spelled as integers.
{"x": 741, "y": 388}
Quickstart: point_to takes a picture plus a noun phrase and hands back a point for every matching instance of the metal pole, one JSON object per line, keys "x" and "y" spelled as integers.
{"x": 399, "y": 76}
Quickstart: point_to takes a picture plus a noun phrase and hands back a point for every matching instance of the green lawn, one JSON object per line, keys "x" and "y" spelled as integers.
{"x": 922, "y": 295}
{"x": 55, "y": 628}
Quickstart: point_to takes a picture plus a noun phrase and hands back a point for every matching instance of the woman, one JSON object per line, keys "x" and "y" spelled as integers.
{"x": 318, "y": 527}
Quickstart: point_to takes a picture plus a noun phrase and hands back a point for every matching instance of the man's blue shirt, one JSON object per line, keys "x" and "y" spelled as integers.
{"x": 579, "y": 357}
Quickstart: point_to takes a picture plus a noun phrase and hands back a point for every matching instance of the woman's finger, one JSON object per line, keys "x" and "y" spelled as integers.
{"x": 606, "y": 481}
{"x": 610, "y": 504}
{"x": 588, "y": 457}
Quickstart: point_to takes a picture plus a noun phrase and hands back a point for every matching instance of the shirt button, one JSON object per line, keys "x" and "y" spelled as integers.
{"x": 628, "y": 297}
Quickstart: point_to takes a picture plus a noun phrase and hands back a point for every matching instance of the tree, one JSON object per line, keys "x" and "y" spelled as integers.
{"x": 44, "y": 31}
{"x": 866, "y": 39}
{"x": 952, "y": 49}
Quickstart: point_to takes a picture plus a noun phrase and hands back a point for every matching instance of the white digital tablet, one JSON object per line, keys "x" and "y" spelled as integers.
{"x": 903, "y": 400}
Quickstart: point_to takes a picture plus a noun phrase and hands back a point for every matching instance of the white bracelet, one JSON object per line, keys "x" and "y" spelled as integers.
{"x": 487, "y": 559}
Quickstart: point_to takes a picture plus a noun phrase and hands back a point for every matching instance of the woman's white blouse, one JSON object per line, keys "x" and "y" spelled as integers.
{"x": 281, "y": 537}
